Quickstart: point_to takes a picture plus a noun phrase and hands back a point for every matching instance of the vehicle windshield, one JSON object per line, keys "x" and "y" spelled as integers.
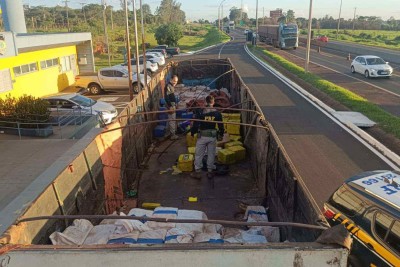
{"x": 83, "y": 101}
{"x": 289, "y": 32}
{"x": 375, "y": 61}
{"x": 124, "y": 71}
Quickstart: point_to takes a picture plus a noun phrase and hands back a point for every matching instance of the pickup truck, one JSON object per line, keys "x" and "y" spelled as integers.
{"x": 108, "y": 78}
{"x": 170, "y": 50}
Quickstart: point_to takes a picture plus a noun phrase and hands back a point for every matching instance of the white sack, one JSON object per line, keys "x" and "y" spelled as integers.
{"x": 130, "y": 238}
{"x": 152, "y": 237}
{"x": 163, "y": 212}
{"x": 74, "y": 234}
{"x": 191, "y": 214}
{"x": 100, "y": 234}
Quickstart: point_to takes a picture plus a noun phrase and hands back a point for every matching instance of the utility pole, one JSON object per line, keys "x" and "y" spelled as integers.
{"x": 354, "y": 19}
{"x": 222, "y": 15}
{"x": 338, "y": 23}
{"x": 66, "y": 8}
{"x": 308, "y": 38}
{"x": 128, "y": 50}
{"x": 112, "y": 22}
{"x": 241, "y": 11}
{"x": 83, "y": 11}
{"x": 103, "y": 2}
{"x": 137, "y": 47}
{"x": 256, "y": 20}
{"x": 263, "y": 17}
{"x": 143, "y": 45}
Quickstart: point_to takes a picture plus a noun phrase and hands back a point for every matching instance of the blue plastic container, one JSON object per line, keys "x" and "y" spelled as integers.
{"x": 162, "y": 116}
{"x": 162, "y": 102}
{"x": 187, "y": 115}
{"x": 159, "y": 131}
{"x": 179, "y": 113}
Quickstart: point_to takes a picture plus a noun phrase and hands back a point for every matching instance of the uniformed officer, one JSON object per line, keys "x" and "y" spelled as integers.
{"x": 207, "y": 136}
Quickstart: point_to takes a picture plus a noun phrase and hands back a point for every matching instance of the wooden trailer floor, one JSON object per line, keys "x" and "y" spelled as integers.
{"x": 219, "y": 197}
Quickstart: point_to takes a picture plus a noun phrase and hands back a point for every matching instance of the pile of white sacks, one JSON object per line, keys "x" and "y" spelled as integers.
{"x": 122, "y": 231}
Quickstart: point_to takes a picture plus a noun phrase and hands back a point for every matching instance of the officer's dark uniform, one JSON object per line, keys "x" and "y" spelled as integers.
{"x": 207, "y": 136}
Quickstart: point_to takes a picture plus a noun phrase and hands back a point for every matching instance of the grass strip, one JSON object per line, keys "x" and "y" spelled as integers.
{"x": 388, "y": 122}
{"x": 212, "y": 37}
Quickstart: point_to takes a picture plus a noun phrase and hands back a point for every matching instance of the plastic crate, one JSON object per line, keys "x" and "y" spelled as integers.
{"x": 240, "y": 152}
{"x": 159, "y": 131}
{"x": 226, "y": 156}
{"x": 185, "y": 162}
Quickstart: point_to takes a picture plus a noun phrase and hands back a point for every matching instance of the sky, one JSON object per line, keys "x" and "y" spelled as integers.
{"x": 208, "y": 9}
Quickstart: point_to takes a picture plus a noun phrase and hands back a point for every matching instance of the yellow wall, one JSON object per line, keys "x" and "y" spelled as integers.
{"x": 44, "y": 81}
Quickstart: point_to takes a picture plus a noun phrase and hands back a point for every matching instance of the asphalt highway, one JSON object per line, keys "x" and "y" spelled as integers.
{"x": 323, "y": 153}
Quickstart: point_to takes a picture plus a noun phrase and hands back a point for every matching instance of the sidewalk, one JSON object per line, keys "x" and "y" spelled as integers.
{"x": 24, "y": 160}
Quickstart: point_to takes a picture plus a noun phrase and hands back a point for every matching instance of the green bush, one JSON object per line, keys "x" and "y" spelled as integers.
{"x": 168, "y": 34}
{"x": 24, "y": 109}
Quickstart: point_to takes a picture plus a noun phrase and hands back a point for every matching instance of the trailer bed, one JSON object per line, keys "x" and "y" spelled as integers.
{"x": 220, "y": 197}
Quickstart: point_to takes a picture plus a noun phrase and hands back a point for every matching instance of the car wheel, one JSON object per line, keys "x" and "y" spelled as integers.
{"x": 135, "y": 88}
{"x": 353, "y": 70}
{"x": 366, "y": 74}
{"x": 94, "y": 89}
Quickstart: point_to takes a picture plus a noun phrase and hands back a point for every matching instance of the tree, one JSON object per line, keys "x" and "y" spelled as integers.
{"x": 123, "y": 3}
{"x": 147, "y": 16}
{"x": 170, "y": 11}
{"x": 282, "y": 19}
{"x": 168, "y": 34}
{"x": 290, "y": 18}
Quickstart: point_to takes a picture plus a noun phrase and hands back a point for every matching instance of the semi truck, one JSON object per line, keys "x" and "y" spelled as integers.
{"x": 284, "y": 36}
{"x": 125, "y": 169}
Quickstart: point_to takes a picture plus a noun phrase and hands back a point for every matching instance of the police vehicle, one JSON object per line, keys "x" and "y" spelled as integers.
{"x": 368, "y": 205}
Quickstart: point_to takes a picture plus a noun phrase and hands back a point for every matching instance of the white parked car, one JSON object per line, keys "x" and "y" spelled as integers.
{"x": 371, "y": 66}
{"x": 75, "y": 102}
{"x": 154, "y": 59}
{"x": 158, "y": 54}
{"x": 150, "y": 67}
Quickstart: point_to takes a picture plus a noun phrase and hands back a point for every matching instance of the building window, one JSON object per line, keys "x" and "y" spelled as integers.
{"x": 49, "y": 63}
{"x": 23, "y": 69}
{"x": 5, "y": 81}
{"x": 65, "y": 63}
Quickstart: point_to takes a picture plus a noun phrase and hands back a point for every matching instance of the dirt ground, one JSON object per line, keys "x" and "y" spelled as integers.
{"x": 388, "y": 140}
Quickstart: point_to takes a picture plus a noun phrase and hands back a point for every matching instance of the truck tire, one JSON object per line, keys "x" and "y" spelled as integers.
{"x": 94, "y": 89}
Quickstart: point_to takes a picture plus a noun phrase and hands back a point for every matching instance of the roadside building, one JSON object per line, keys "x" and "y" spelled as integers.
{"x": 39, "y": 64}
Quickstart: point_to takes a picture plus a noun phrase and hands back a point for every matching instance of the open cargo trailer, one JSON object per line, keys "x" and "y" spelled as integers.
{"x": 124, "y": 158}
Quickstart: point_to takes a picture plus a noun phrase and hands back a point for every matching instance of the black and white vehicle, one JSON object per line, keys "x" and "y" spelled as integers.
{"x": 78, "y": 103}
{"x": 371, "y": 66}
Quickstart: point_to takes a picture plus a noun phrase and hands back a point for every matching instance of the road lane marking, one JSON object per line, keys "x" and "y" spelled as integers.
{"x": 220, "y": 50}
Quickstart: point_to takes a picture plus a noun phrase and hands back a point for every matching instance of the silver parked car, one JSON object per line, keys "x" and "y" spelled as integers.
{"x": 371, "y": 66}
{"x": 70, "y": 102}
